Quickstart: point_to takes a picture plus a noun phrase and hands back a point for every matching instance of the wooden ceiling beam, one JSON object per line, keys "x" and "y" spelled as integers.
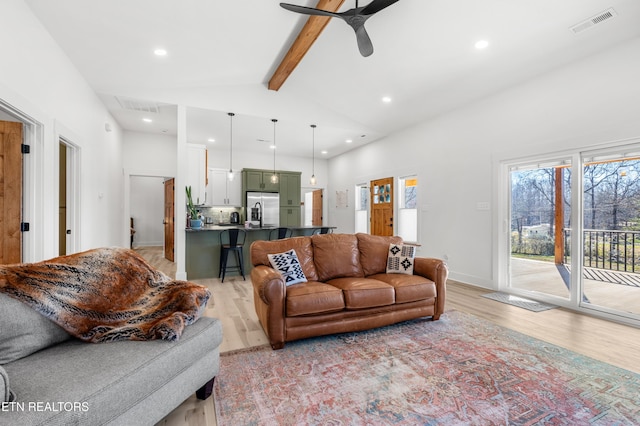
{"x": 302, "y": 44}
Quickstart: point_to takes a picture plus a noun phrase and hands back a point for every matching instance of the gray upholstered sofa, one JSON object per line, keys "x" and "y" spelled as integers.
{"x": 55, "y": 379}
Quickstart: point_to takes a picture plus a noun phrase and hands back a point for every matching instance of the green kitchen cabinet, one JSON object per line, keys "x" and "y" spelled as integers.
{"x": 290, "y": 216}
{"x": 290, "y": 189}
{"x": 259, "y": 180}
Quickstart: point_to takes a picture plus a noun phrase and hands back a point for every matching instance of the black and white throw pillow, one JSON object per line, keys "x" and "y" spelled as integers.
{"x": 288, "y": 265}
{"x": 400, "y": 259}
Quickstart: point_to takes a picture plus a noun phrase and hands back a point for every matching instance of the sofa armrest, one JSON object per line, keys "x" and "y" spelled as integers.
{"x": 269, "y": 294}
{"x": 436, "y": 270}
{"x": 5, "y": 392}
{"x": 268, "y": 284}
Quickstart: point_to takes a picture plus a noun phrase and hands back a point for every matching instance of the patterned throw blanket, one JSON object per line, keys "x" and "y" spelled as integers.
{"x": 106, "y": 294}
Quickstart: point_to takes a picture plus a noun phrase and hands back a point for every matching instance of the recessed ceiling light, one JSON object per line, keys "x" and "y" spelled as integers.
{"x": 482, "y": 44}
{"x": 349, "y": 141}
{"x": 272, "y": 146}
{"x": 147, "y": 120}
{"x": 323, "y": 152}
{"x": 160, "y": 52}
{"x": 386, "y": 99}
{"x": 211, "y": 140}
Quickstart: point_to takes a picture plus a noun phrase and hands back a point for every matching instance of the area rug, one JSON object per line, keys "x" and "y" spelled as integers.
{"x": 518, "y": 301}
{"x": 460, "y": 370}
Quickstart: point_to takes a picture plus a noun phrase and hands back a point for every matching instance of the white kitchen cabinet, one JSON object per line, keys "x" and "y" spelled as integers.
{"x": 197, "y": 172}
{"x": 234, "y": 189}
{"x": 221, "y": 191}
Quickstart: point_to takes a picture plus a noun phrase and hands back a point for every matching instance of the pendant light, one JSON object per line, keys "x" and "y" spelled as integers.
{"x": 230, "y": 173}
{"x": 313, "y": 181}
{"x": 274, "y": 176}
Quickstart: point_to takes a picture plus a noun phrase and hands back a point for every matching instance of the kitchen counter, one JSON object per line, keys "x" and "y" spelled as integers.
{"x": 252, "y": 229}
{"x": 203, "y": 247}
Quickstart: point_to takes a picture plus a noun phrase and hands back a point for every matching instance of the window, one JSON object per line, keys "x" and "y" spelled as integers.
{"x": 408, "y": 208}
{"x": 362, "y": 208}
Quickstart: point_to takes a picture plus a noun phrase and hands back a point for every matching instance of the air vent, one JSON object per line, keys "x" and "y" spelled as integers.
{"x": 594, "y": 20}
{"x": 138, "y": 105}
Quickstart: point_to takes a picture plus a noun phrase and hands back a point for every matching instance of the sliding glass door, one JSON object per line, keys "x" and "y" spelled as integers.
{"x": 540, "y": 215}
{"x": 611, "y": 234}
{"x": 573, "y": 231}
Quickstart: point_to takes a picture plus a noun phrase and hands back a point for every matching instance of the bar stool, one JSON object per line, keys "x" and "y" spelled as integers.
{"x": 323, "y": 230}
{"x": 231, "y": 240}
{"x": 279, "y": 233}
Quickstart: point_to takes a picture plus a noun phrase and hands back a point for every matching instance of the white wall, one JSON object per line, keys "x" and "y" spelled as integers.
{"x": 454, "y": 156}
{"x": 151, "y": 154}
{"x": 37, "y": 79}
{"x": 147, "y": 210}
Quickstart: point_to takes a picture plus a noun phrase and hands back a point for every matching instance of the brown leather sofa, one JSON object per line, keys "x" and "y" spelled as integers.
{"x": 347, "y": 287}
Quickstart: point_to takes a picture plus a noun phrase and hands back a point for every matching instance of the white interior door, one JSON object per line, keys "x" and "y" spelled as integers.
{"x": 68, "y": 208}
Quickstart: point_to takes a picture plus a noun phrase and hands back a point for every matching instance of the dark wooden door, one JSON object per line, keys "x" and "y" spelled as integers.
{"x": 10, "y": 192}
{"x": 316, "y": 208}
{"x": 169, "y": 219}
{"x": 382, "y": 207}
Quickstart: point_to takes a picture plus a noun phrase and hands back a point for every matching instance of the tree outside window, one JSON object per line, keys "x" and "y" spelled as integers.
{"x": 362, "y": 208}
{"x": 408, "y": 208}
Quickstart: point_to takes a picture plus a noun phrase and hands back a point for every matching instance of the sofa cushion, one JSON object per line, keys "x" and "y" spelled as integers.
{"x": 408, "y": 288}
{"x": 400, "y": 260}
{"x": 374, "y": 250}
{"x": 288, "y": 265}
{"x": 336, "y": 256}
{"x": 260, "y": 250}
{"x": 24, "y": 331}
{"x": 362, "y": 293}
{"x": 313, "y": 297}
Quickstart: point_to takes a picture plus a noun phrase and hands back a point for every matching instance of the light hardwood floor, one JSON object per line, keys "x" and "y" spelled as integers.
{"x": 232, "y": 303}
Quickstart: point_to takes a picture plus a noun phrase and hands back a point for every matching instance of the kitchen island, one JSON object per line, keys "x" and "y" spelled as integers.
{"x": 203, "y": 248}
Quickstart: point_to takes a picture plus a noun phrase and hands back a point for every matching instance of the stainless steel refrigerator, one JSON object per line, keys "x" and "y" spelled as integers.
{"x": 263, "y": 208}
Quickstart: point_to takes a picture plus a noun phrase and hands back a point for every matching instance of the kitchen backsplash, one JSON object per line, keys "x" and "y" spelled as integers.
{"x": 213, "y": 215}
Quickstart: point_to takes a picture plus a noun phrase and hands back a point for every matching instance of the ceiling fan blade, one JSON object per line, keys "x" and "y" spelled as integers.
{"x": 364, "y": 42}
{"x": 308, "y": 10}
{"x": 376, "y": 6}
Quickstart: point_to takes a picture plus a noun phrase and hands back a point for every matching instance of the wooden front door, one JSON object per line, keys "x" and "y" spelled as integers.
{"x": 10, "y": 192}
{"x": 168, "y": 219}
{"x": 382, "y": 206}
{"x": 316, "y": 208}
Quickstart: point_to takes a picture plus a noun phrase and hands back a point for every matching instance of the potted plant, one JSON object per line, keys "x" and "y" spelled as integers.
{"x": 192, "y": 211}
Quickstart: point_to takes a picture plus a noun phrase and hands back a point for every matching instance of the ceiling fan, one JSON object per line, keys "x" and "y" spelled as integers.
{"x": 355, "y": 17}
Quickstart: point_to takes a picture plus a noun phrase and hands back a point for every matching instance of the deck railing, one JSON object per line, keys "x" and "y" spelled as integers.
{"x": 607, "y": 249}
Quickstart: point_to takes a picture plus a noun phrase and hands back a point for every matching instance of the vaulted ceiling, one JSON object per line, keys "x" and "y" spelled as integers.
{"x": 222, "y": 54}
